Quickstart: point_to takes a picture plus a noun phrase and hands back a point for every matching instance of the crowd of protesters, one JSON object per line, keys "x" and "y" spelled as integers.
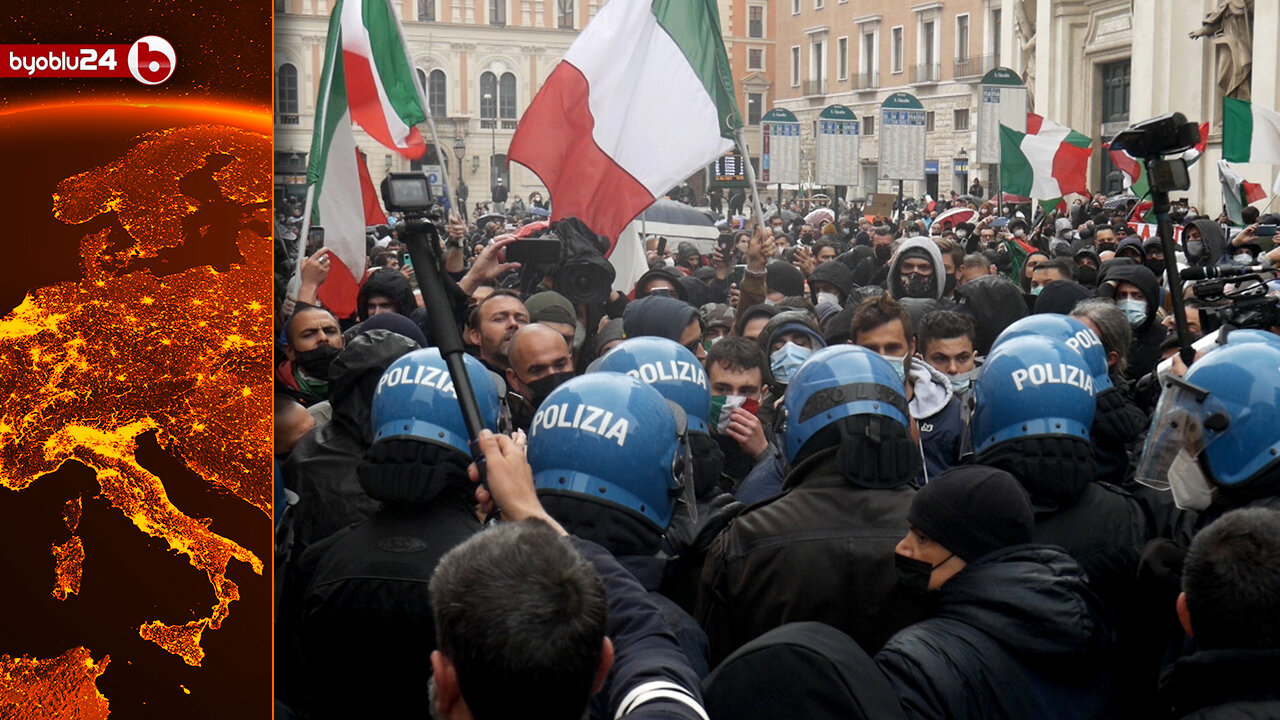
{"x": 829, "y": 465}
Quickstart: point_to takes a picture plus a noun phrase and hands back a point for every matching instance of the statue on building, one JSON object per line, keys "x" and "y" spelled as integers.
{"x": 1231, "y": 26}
{"x": 1027, "y": 42}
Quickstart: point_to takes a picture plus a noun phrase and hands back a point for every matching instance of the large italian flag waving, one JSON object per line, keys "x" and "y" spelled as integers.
{"x": 1048, "y": 161}
{"x": 642, "y": 99}
{"x": 367, "y": 80}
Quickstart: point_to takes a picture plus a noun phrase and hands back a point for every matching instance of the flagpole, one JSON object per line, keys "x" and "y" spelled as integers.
{"x": 751, "y": 173}
{"x": 322, "y": 107}
{"x": 441, "y": 155}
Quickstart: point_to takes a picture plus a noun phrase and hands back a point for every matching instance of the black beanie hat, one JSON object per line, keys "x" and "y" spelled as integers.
{"x": 785, "y": 278}
{"x": 973, "y": 511}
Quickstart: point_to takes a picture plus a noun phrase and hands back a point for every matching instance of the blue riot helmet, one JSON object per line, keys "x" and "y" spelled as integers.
{"x": 1077, "y": 336}
{"x": 1032, "y": 386}
{"x": 1240, "y": 336}
{"x": 838, "y": 382}
{"x": 668, "y": 367}
{"x": 415, "y": 399}
{"x": 1217, "y": 425}
{"x": 610, "y": 438}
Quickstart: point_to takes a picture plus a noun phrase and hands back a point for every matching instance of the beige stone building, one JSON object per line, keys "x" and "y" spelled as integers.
{"x": 1101, "y": 64}
{"x": 480, "y": 63}
{"x": 858, "y": 52}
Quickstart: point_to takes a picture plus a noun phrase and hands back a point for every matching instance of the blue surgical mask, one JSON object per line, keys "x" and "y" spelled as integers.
{"x": 1135, "y": 310}
{"x": 1037, "y": 290}
{"x": 961, "y": 382}
{"x": 899, "y": 365}
{"x": 784, "y": 361}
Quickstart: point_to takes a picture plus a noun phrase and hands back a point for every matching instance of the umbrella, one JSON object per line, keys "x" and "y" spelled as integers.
{"x": 677, "y": 221}
{"x": 970, "y": 199}
{"x": 491, "y": 217}
{"x": 786, "y": 215}
{"x": 955, "y": 216}
{"x": 819, "y": 216}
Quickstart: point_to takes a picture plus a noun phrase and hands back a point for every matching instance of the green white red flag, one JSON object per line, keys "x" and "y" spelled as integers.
{"x": 1237, "y": 193}
{"x": 1047, "y": 162}
{"x": 642, "y": 99}
{"x": 1250, "y": 132}
{"x": 367, "y": 80}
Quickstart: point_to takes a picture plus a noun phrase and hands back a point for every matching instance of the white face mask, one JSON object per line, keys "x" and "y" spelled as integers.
{"x": 1244, "y": 258}
{"x": 1191, "y": 491}
{"x": 1135, "y": 310}
{"x": 899, "y": 365}
{"x": 828, "y": 297}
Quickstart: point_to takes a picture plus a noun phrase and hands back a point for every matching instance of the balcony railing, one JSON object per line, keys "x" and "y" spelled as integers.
{"x": 973, "y": 67}
{"x": 287, "y": 119}
{"x": 865, "y": 80}
{"x": 814, "y": 87}
{"x": 509, "y": 124}
{"x": 926, "y": 73}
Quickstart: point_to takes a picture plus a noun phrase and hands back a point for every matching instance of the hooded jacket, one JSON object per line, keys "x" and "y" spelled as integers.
{"x": 940, "y": 417}
{"x": 322, "y": 468}
{"x": 1016, "y": 635}
{"x": 1214, "y": 242}
{"x": 1144, "y": 352}
{"x": 896, "y": 288}
{"x": 1224, "y": 685}
{"x": 389, "y": 284}
{"x": 994, "y": 303}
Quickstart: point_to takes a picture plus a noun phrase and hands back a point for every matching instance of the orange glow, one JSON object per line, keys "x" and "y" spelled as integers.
{"x": 64, "y": 687}
{"x": 250, "y": 117}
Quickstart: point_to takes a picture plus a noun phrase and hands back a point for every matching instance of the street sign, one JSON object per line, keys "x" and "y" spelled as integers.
{"x": 837, "y": 147}
{"x": 1004, "y": 101}
{"x": 902, "y": 138}
{"x": 780, "y": 154}
{"x": 435, "y": 178}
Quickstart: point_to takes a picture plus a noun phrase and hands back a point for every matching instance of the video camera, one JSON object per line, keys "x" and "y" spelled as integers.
{"x": 1245, "y": 307}
{"x": 1157, "y": 138}
{"x": 581, "y": 273}
{"x": 409, "y": 193}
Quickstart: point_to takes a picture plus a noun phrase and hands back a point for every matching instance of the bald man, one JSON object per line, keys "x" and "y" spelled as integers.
{"x": 540, "y": 361}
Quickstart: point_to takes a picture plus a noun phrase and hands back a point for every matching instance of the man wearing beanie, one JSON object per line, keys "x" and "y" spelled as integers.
{"x": 1015, "y": 632}
{"x": 665, "y": 317}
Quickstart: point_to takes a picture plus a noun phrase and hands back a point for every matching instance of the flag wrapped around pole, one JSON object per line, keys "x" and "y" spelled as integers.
{"x": 367, "y": 80}
{"x": 1250, "y": 132}
{"x": 642, "y": 99}
{"x": 1237, "y": 192}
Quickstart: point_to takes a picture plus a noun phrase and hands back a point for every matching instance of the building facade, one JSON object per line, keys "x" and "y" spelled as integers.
{"x": 858, "y": 52}
{"x": 479, "y": 62}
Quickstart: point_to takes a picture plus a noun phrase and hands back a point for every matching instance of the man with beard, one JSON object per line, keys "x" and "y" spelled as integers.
{"x": 312, "y": 340}
{"x": 492, "y": 326}
{"x": 540, "y": 362}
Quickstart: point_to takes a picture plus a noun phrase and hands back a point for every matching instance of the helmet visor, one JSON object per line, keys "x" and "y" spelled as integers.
{"x": 1176, "y": 438}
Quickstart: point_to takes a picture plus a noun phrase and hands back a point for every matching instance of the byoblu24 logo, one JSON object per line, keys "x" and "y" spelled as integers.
{"x": 152, "y": 60}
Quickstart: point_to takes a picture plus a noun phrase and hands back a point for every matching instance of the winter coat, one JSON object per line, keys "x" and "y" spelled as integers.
{"x": 1224, "y": 685}
{"x": 935, "y": 257}
{"x": 322, "y": 468}
{"x": 822, "y": 551}
{"x": 1144, "y": 351}
{"x": 993, "y": 303}
{"x": 1016, "y": 635}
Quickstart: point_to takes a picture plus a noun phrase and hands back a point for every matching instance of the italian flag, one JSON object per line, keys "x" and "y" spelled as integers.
{"x": 1237, "y": 192}
{"x": 1046, "y": 162}
{"x": 367, "y": 80}
{"x": 722, "y": 409}
{"x": 642, "y": 99}
{"x": 1250, "y": 133}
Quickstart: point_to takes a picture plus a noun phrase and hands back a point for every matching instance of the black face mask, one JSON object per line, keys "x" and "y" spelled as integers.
{"x": 315, "y": 362}
{"x": 950, "y": 285}
{"x": 539, "y": 389}
{"x": 914, "y": 574}
{"x": 917, "y": 285}
{"x": 1087, "y": 276}
{"x": 1105, "y": 247}
{"x": 1157, "y": 267}
{"x": 883, "y": 252}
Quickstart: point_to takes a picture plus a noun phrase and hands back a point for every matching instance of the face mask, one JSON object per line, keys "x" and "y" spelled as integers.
{"x": 1195, "y": 249}
{"x": 916, "y": 285}
{"x": 1190, "y": 489}
{"x": 315, "y": 362}
{"x": 950, "y": 286}
{"x": 1087, "y": 276}
{"x": 962, "y": 234}
{"x": 1103, "y": 247}
{"x": 542, "y": 387}
{"x": 882, "y": 252}
{"x": 1037, "y": 290}
{"x": 899, "y": 365}
{"x": 828, "y": 297}
{"x": 914, "y": 574}
{"x": 1157, "y": 267}
{"x": 1019, "y": 233}
{"x": 1135, "y": 310}
{"x": 784, "y": 361}
{"x": 960, "y": 382}
{"x": 1244, "y": 259}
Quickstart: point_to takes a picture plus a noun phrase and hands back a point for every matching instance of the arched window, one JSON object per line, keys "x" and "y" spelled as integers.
{"x": 421, "y": 76}
{"x": 287, "y": 94}
{"x": 488, "y": 96}
{"x": 507, "y": 96}
{"x": 436, "y": 93}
